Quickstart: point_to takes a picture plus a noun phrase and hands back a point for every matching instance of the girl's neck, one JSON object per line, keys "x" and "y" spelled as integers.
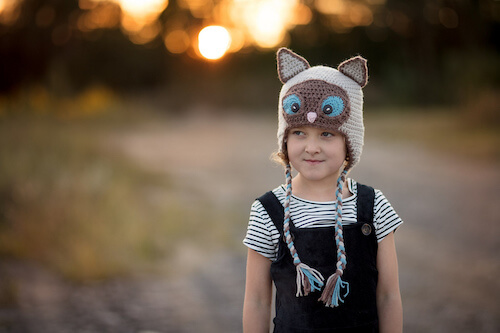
{"x": 317, "y": 191}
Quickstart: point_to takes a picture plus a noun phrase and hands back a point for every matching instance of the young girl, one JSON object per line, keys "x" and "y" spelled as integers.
{"x": 325, "y": 241}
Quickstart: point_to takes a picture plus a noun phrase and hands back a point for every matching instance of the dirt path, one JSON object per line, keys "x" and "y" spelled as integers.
{"x": 447, "y": 247}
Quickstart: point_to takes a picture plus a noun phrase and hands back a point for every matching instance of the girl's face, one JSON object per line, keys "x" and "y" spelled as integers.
{"x": 316, "y": 154}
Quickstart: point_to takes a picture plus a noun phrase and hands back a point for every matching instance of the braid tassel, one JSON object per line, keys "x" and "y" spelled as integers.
{"x": 308, "y": 279}
{"x": 332, "y": 295}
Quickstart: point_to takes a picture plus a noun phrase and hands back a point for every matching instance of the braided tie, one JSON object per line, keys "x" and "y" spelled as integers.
{"x": 331, "y": 295}
{"x": 308, "y": 279}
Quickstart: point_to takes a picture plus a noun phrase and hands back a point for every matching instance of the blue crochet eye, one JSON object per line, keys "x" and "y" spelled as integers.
{"x": 333, "y": 106}
{"x": 291, "y": 104}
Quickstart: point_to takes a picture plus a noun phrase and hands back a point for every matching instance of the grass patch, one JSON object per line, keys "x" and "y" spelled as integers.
{"x": 455, "y": 132}
{"x": 86, "y": 212}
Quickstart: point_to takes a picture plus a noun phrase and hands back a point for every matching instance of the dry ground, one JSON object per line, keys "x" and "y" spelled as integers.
{"x": 447, "y": 247}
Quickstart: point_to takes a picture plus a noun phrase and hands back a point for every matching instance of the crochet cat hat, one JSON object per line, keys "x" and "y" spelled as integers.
{"x": 331, "y": 99}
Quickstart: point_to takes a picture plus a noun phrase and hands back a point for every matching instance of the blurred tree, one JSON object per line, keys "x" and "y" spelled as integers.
{"x": 44, "y": 46}
{"x": 420, "y": 52}
{"x": 26, "y": 49}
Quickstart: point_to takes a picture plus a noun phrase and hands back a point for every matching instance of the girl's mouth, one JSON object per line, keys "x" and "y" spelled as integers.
{"x": 313, "y": 162}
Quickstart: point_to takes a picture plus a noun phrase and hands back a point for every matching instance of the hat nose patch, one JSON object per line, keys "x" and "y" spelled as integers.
{"x": 311, "y": 117}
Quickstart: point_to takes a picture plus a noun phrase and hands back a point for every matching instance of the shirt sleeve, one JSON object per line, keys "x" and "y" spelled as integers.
{"x": 385, "y": 218}
{"x": 262, "y": 235}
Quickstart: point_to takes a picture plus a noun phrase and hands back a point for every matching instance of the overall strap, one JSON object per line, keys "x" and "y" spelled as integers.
{"x": 274, "y": 208}
{"x": 365, "y": 202}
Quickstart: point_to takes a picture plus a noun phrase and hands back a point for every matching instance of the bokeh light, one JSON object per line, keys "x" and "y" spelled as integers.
{"x": 177, "y": 41}
{"x": 105, "y": 15}
{"x": 138, "y": 19}
{"x": 265, "y": 22}
{"x": 199, "y": 8}
{"x": 143, "y": 9}
{"x": 213, "y": 42}
{"x": 9, "y": 11}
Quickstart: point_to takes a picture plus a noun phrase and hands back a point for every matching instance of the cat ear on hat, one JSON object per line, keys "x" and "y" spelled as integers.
{"x": 356, "y": 69}
{"x": 289, "y": 64}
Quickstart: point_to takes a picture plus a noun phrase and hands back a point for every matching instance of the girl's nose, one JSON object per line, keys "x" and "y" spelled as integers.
{"x": 312, "y": 147}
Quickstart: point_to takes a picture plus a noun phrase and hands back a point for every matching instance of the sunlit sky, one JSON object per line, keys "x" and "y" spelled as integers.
{"x": 239, "y": 24}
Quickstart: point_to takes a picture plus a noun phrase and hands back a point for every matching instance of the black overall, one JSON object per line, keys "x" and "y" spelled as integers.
{"x": 316, "y": 248}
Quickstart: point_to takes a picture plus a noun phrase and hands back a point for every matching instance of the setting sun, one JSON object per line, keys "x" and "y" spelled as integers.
{"x": 213, "y": 42}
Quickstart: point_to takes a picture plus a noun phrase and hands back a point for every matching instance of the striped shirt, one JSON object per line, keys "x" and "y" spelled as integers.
{"x": 263, "y": 237}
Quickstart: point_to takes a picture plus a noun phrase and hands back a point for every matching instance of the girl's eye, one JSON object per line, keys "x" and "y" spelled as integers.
{"x": 333, "y": 106}
{"x": 327, "y": 134}
{"x": 298, "y": 133}
{"x": 291, "y": 104}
